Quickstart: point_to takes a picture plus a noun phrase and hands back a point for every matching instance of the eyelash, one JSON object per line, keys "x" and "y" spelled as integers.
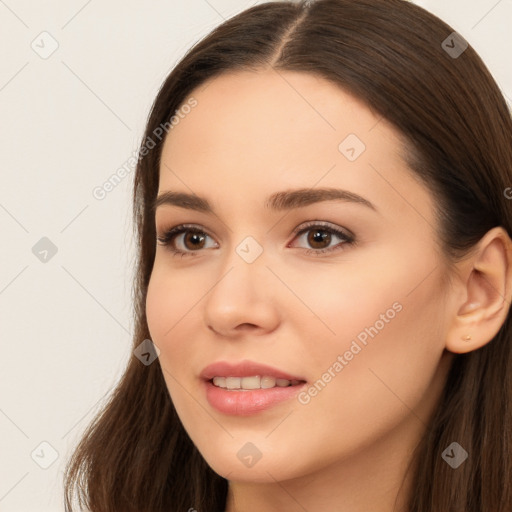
{"x": 169, "y": 235}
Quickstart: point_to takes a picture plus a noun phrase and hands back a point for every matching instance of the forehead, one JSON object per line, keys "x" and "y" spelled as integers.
{"x": 252, "y": 111}
{"x": 253, "y": 133}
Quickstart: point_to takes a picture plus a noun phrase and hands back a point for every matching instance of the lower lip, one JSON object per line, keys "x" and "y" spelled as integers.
{"x": 248, "y": 402}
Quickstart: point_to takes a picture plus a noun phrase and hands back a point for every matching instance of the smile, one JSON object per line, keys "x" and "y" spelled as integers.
{"x": 254, "y": 382}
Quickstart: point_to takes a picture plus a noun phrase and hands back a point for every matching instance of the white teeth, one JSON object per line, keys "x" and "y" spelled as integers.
{"x": 220, "y": 381}
{"x": 254, "y": 382}
{"x": 268, "y": 382}
{"x": 249, "y": 382}
{"x": 233, "y": 382}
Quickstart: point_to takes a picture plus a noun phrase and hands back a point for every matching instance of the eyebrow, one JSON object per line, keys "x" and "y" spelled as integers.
{"x": 285, "y": 200}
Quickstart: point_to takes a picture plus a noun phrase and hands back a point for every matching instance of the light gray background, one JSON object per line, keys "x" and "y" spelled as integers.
{"x": 67, "y": 122}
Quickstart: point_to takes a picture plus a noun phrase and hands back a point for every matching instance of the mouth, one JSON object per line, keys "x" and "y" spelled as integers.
{"x": 253, "y": 382}
{"x": 247, "y": 370}
{"x": 247, "y": 387}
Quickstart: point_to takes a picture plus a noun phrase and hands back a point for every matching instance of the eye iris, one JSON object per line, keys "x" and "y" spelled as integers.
{"x": 318, "y": 236}
{"x": 196, "y": 239}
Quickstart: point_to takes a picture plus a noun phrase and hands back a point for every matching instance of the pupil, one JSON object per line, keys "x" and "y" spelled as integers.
{"x": 318, "y": 237}
{"x": 196, "y": 239}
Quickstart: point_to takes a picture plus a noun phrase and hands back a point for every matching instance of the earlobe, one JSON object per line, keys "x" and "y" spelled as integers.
{"x": 486, "y": 281}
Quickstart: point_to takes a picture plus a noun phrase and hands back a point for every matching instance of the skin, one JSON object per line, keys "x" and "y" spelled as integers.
{"x": 256, "y": 133}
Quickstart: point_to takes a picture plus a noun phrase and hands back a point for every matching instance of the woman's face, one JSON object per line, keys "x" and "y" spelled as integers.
{"x": 343, "y": 290}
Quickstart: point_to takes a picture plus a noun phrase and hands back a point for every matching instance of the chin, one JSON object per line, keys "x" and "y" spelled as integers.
{"x": 263, "y": 471}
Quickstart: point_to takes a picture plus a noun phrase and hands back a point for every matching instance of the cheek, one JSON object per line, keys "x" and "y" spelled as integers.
{"x": 386, "y": 322}
{"x": 366, "y": 294}
{"x": 159, "y": 307}
{"x": 170, "y": 301}
{"x": 390, "y": 356}
{"x": 332, "y": 305}
{"x": 169, "y": 309}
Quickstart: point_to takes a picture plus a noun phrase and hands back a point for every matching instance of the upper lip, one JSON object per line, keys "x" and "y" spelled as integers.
{"x": 244, "y": 368}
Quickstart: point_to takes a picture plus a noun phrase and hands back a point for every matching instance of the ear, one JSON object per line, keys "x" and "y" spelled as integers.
{"x": 483, "y": 292}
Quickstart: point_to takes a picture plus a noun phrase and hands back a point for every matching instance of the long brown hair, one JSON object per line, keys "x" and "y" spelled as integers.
{"x": 136, "y": 455}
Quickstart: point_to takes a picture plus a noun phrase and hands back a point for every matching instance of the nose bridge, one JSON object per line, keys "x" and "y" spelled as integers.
{"x": 243, "y": 270}
{"x": 241, "y": 295}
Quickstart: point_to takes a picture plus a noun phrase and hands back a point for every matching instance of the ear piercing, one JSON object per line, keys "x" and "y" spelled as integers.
{"x": 466, "y": 338}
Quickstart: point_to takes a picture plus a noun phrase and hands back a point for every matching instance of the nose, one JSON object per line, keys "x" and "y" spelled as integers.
{"x": 243, "y": 299}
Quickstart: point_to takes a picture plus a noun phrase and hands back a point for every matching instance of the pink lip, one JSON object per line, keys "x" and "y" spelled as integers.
{"x": 246, "y": 402}
{"x": 244, "y": 368}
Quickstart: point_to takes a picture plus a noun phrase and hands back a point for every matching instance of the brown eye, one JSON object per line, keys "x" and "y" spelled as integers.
{"x": 185, "y": 240}
{"x": 195, "y": 239}
{"x": 318, "y": 238}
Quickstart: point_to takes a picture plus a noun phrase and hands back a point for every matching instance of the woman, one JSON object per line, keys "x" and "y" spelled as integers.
{"x": 324, "y": 274}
